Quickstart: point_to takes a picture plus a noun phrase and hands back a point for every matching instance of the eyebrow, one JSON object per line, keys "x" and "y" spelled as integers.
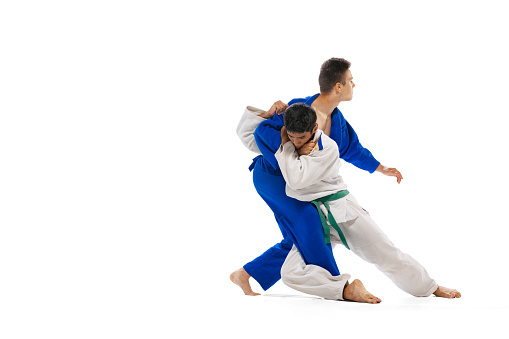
{"x": 301, "y": 137}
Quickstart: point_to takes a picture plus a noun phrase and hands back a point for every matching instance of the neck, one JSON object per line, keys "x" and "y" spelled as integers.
{"x": 326, "y": 102}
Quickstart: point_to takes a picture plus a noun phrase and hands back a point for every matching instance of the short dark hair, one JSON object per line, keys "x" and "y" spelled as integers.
{"x": 300, "y": 118}
{"x": 332, "y": 72}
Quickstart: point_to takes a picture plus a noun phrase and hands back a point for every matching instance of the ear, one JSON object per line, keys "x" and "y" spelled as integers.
{"x": 315, "y": 128}
{"x": 338, "y": 87}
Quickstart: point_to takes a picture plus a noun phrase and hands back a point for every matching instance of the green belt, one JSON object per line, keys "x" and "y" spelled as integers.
{"x": 326, "y": 230}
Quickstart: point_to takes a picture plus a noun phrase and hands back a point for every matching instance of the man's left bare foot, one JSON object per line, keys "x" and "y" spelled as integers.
{"x": 444, "y": 292}
{"x": 241, "y": 278}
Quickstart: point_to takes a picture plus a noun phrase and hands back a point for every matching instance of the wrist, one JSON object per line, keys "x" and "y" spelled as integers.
{"x": 265, "y": 115}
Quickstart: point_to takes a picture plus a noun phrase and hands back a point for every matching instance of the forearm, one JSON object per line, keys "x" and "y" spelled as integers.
{"x": 291, "y": 167}
{"x": 366, "y": 163}
{"x": 265, "y": 115}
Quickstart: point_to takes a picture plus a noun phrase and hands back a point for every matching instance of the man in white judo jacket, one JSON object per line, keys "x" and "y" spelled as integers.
{"x": 309, "y": 161}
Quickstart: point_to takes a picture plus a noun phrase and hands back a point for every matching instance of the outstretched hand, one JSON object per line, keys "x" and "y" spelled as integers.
{"x": 391, "y": 172}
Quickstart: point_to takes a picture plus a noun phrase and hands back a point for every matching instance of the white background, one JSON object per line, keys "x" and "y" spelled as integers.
{"x": 125, "y": 199}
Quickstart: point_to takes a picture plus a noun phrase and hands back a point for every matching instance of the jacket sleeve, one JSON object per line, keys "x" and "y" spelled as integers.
{"x": 305, "y": 170}
{"x": 247, "y": 126}
{"x": 353, "y": 152}
{"x": 268, "y": 138}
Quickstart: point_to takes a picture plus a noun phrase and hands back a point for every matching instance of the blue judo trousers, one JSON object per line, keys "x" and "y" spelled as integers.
{"x": 298, "y": 221}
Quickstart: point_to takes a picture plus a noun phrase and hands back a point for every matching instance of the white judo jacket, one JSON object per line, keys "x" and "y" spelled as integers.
{"x": 313, "y": 176}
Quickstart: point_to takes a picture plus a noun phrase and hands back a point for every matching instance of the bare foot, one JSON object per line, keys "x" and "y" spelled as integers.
{"x": 357, "y": 292}
{"x": 241, "y": 278}
{"x": 444, "y": 292}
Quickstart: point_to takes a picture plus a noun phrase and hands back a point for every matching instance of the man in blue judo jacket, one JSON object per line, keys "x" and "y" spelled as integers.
{"x": 299, "y": 221}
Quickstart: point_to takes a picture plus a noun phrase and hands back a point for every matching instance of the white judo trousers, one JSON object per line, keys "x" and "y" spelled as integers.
{"x": 370, "y": 243}
{"x": 317, "y": 175}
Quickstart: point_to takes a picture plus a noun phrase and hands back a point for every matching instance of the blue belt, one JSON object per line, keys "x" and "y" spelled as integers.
{"x": 254, "y": 162}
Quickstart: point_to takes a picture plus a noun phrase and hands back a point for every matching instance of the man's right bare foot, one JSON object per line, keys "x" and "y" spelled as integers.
{"x": 241, "y": 278}
{"x": 357, "y": 292}
{"x": 445, "y": 292}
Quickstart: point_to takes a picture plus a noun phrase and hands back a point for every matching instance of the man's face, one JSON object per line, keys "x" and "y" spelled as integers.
{"x": 299, "y": 139}
{"x": 347, "y": 89}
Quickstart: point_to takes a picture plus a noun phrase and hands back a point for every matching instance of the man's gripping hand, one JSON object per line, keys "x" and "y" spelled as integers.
{"x": 306, "y": 148}
{"x": 284, "y": 136}
{"x": 278, "y": 107}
